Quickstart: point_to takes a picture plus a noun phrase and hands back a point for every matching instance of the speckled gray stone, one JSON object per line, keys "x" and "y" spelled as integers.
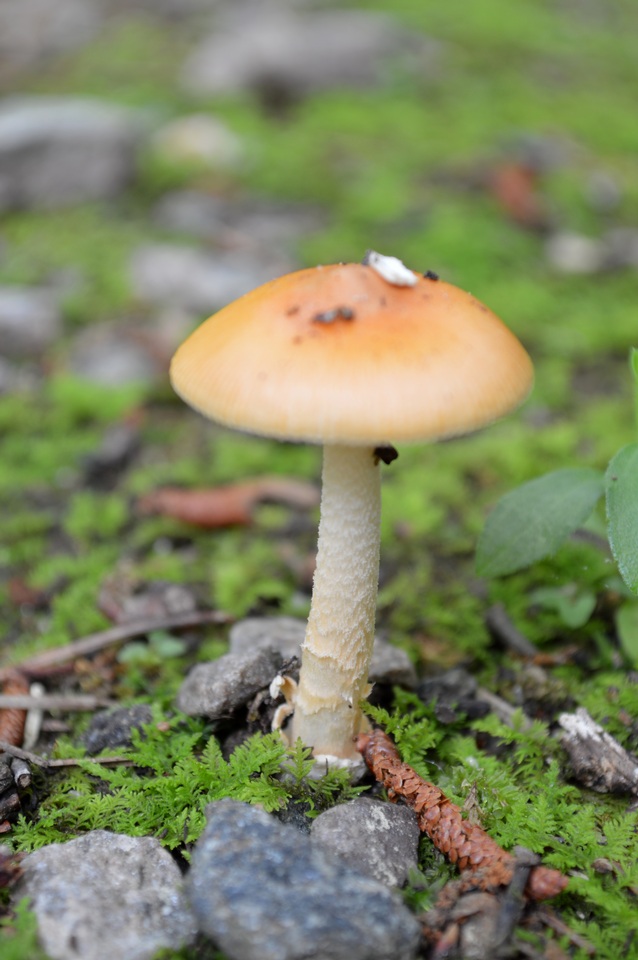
{"x": 56, "y": 151}
{"x": 216, "y": 689}
{"x": 262, "y": 891}
{"x": 32, "y": 30}
{"x": 106, "y": 895}
{"x": 376, "y": 838}
{"x": 270, "y": 46}
{"x": 165, "y": 273}
{"x": 114, "y": 728}
{"x": 285, "y": 634}
{"x": 30, "y": 321}
{"x": 245, "y": 223}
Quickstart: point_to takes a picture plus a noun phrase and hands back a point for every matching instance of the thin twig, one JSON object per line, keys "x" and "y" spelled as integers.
{"x": 94, "y": 642}
{"x": 53, "y": 701}
{"x": 106, "y": 761}
{"x": 67, "y": 762}
{"x": 549, "y": 918}
{"x": 502, "y": 628}
{"x": 9, "y": 748}
{"x": 503, "y": 710}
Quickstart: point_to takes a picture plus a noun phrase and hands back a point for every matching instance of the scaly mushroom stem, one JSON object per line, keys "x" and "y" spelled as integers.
{"x": 340, "y": 634}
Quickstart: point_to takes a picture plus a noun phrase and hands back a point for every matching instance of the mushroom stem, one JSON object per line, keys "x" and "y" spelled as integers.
{"x": 338, "y": 645}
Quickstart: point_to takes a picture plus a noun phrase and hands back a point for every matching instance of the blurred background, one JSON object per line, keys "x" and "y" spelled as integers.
{"x": 160, "y": 158}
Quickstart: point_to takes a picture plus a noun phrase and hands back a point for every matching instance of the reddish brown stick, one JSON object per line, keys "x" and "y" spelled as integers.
{"x": 462, "y": 842}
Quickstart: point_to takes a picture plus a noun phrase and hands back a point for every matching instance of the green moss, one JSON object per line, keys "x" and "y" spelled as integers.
{"x": 176, "y": 772}
{"x": 96, "y": 516}
{"x": 19, "y": 935}
{"x": 131, "y": 61}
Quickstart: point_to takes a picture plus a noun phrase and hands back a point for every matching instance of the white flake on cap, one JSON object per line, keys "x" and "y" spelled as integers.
{"x": 391, "y": 269}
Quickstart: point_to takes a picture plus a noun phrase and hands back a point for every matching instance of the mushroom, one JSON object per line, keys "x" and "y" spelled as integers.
{"x": 356, "y": 357}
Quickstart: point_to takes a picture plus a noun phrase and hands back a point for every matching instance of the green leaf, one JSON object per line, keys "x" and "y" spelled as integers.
{"x": 573, "y": 606}
{"x": 627, "y": 628}
{"x": 621, "y": 483}
{"x": 633, "y": 366}
{"x": 165, "y": 645}
{"x": 534, "y": 520}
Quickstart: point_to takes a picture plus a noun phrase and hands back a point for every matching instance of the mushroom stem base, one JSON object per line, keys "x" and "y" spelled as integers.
{"x": 338, "y": 645}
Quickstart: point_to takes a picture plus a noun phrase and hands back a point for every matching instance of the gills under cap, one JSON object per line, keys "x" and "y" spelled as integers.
{"x": 339, "y": 355}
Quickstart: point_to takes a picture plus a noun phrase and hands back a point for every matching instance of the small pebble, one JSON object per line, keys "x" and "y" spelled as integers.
{"x": 378, "y": 839}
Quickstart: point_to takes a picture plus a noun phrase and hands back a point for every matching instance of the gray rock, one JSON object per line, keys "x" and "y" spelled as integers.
{"x": 285, "y": 634}
{"x": 575, "y": 253}
{"x": 106, "y": 895}
{"x": 215, "y": 690}
{"x": 31, "y": 30}
{"x": 617, "y": 249}
{"x": 113, "y": 728}
{"x": 202, "y": 282}
{"x": 252, "y": 223}
{"x": 123, "y": 600}
{"x": 112, "y": 356}
{"x": 480, "y": 935}
{"x": 30, "y": 321}
{"x": 603, "y": 192}
{"x": 271, "y": 47}
{"x": 56, "y": 151}
{"x": 391, "y": 665}
{"x": 262, "y": 891}
{"x": 171, "y": 9}
{"x": 378, "y": 839}
{"x": 9, "y": 377}
{"x": 621, "y": 248}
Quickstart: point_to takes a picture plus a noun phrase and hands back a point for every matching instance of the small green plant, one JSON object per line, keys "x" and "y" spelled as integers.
{"x": 19, "y": 934}
{"x": 533, "y": 521}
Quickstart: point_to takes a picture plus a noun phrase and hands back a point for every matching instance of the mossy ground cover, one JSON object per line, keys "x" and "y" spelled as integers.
{"x": 396, "y": 168}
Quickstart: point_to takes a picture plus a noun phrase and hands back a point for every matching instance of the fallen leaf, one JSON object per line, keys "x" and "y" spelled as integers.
{"x": 229, "y": 505}
{"x": 514, "y": 186}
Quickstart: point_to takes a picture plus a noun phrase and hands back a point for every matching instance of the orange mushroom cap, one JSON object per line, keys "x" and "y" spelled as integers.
{"x": 337, "y": 354}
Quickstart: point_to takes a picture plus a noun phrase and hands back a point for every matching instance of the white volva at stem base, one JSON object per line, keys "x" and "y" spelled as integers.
{"x": 340, "y": 634}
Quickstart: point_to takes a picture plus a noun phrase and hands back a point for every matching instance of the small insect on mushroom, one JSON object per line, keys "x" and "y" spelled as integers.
{"x": 337, "y": 313}
{"x": 386, "y": 454}
{"x": 431, "y": 275}
{"x": 392, "y": 269}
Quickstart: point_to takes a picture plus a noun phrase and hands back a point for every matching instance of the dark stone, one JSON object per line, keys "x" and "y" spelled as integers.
{"x": 56, "y": 151}
{"x": 262, "y": 891}
{"x": 286, "y": 53}
{"x": 113, "y": 728}
{"x": 215, "y": 690}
